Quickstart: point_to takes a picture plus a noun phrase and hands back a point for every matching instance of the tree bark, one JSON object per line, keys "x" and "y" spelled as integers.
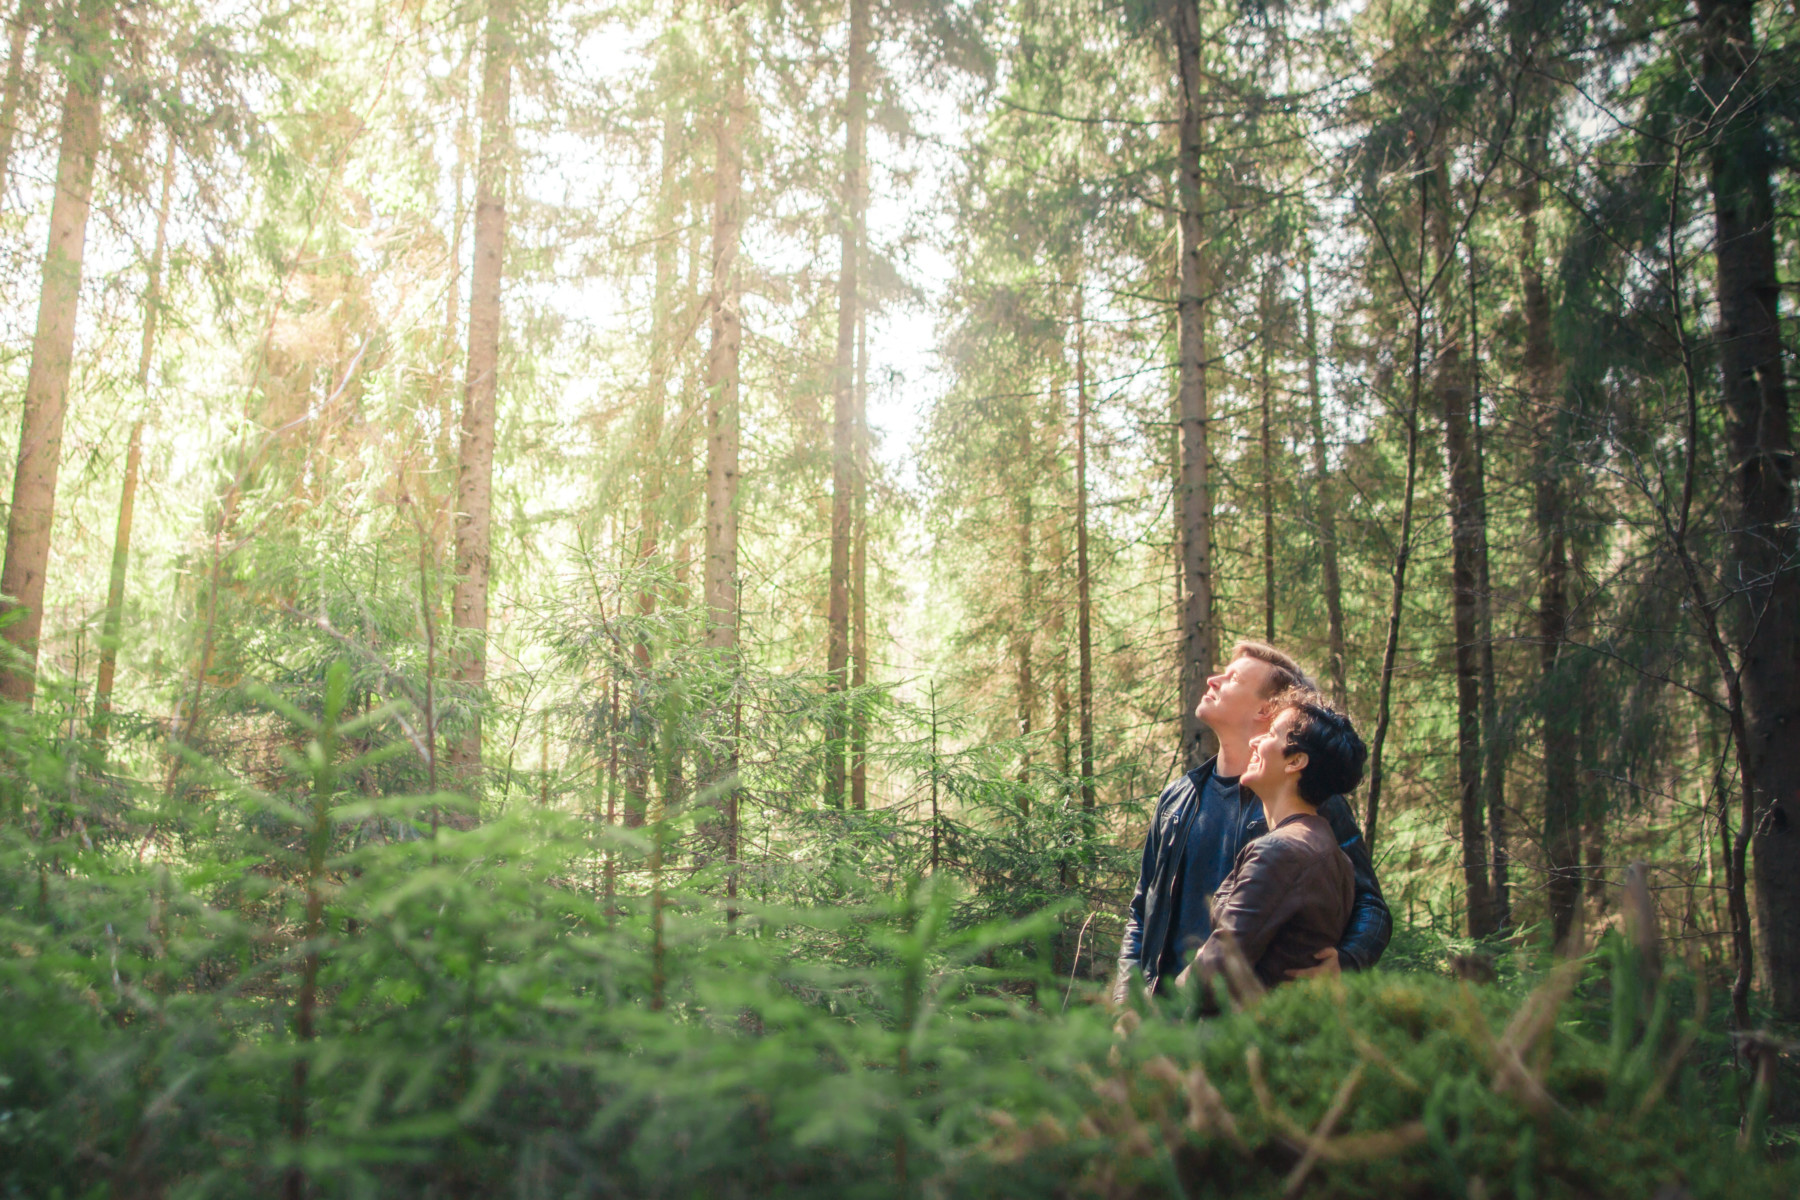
{"x": 1403, "y": 550}
{"x": 1765, "y": 604}
{"x": 1199, "y": 635}
{"x": 475, "y": 466}
{"x": 1024, "y": 695}
{"x": 859, "y": 578}
{"x": 650, "y": 461}
{"x": 843, "y": 424}
{"x": 1556, "y": 696}
{"x": 1084, "y": 617}
{"x": 112, "y": 624}
{"x": 12, "y": 91}
{"x": 720, "y": 581}
{"x": 1451, "y": 381}
{"x": 28, "y": 523}
{"x": 1493, "y": 762}
{"x": 1266, "y": 316}
{"x": 1323, "y": 501}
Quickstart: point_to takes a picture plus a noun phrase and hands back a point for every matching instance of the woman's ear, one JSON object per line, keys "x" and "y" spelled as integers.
{"x": 1293, "y": 764}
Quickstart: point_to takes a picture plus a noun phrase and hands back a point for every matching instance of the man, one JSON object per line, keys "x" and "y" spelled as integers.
{"x": 1203, "y": 819}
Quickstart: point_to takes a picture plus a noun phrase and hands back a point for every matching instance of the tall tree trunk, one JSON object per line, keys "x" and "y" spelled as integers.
{"x": 1454, "y": 394}
{"x": 1759, "y": 438}
{"x": 1493, "y": 761}
{"x": 1325, "y": 514}
{"x": 1403, "y": 550}
{"x": 843, "y": 432}
{"x": 1056, "y": 625}
{"x": 453, "y": 285}
{"x": 1084, "y": 617}
{"x": 112, "y": 625}
{"x": 651, "y": 460}
{"x": 1024, "y": 694}
{"x": 1557, "y": 701}
{"x": 52, "y": 351}
{"x": 1266, "y": 337}
{"x": 12, "y": 91}
{"x": 859, "y": 578}
{"x": 721, "y": 575}
{"x": 1199, "y": 635}
{"x": 475, "y": 466}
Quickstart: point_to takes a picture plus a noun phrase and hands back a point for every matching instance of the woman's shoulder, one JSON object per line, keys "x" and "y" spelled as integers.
{"x": 1307, "y": 835}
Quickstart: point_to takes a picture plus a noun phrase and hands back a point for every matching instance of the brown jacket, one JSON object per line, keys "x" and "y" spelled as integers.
{"x": 1288, "y": 897}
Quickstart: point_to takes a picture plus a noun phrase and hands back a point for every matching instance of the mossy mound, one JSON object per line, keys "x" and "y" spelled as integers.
{"x": 1391, "y": 1085}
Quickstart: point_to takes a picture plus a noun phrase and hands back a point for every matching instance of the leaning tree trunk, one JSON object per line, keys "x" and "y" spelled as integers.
{"x": 1323, "y": 501}
{"x": 843, "y": 423}
{"x": 1759, "y": 439}
{"x": 1454, "y": 395}
{"x": 113, "y": 623}
{"x": 52, "y": 350}
{"x": 475, "y": 466}
{"x": 1199, "y": 636}
{"x": 1562, "y": 815}
{"x": 721, "y": 573}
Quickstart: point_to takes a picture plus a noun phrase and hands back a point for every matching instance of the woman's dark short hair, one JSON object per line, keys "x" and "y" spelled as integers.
{"x": 1334, "y": 751}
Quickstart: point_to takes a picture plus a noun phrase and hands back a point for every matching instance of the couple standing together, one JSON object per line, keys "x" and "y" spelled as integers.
{"x": 1255, "y": 853}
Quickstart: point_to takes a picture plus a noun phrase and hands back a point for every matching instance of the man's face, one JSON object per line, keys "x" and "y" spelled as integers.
{"x": 1235, "y": 697}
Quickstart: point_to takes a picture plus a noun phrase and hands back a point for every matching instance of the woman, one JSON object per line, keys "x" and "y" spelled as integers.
{"x": 1290, "y": 893}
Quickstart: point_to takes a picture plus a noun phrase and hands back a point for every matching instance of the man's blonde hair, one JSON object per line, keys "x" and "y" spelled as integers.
{"x": 1284, "y": 675}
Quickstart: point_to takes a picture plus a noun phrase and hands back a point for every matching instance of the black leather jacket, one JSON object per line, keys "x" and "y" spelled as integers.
{"x": 1147, "y": 932}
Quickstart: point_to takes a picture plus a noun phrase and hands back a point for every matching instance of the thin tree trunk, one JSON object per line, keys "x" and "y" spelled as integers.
{"x": 453, "y": 285}
{"x": 650, "y": 462}
{"x": 1493, "y": 763}
{"x": 1556, "y": 696}
{"x": 12, "y": 91}
{"x": 475, "y": 467}
{"x": 1056, "y": 623}
{"x": 1323, "y": 500}
{"x": 28, "y": 522}
{"x": 1403, "y": 550}
{"x": 1199, "y": 636}
{"x": 662, "y": 349}
{"x": 1024, "y": 694}
{"x": 1084, "y": 616}
{"x": 1265, "y": 402}
{"x": 1765, "y": 606}
{"x": 843, "y": 424}
{"x": 1455, "y": 397}
{"x": 112, "y": 625}
{"x": 859, "y": 579}
{"x": 720, "y": 582}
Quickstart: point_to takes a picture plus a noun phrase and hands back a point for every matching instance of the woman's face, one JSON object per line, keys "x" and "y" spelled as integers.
{"x": 1269, "y": 760}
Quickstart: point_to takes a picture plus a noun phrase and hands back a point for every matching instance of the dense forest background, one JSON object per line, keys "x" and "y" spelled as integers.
{"x": 597, "y": 594}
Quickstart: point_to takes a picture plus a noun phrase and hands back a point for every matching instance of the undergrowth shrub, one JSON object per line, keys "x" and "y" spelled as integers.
{"x": 309, "y": 990}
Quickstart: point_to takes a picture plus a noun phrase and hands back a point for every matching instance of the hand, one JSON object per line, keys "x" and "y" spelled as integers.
{"x": 1328, "y": 966}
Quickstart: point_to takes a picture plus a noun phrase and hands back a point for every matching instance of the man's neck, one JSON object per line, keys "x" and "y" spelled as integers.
{"x": 1234, "y": 756}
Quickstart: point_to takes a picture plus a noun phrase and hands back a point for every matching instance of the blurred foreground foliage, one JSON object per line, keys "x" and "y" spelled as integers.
{"x": 309, "y": 990}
